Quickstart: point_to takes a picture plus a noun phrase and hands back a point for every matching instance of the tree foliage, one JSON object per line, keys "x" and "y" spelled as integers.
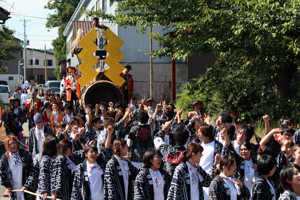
{"x": 63, "y": 12}
{"x": 257, "y": 43}
{"x": 8, "y": 45}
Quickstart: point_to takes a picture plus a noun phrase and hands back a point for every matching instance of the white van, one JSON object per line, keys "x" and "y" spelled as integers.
{"x": 5, "y": 93}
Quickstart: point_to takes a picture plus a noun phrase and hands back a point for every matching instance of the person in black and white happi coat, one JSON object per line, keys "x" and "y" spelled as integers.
{"x": 62, "y": 171}
{"x": 89, "y": 177}
{"x": 152, "y": 183}
{"x": 264, "y": 188}
{"x": 119, "y": 174}
{"x": 88, "y": 181}
{"x": 15, "y": 167}
{"x": 171, "y": 154}
{"x": 37, "y": 135}
{"x": 140, "y": 139}
{"x": 189, "y": 177}
{"x": 224, "y": 186}
{"x": 49, "y": 153}
{"x": 32, "y": 181}
{"x": 290, "y": 181}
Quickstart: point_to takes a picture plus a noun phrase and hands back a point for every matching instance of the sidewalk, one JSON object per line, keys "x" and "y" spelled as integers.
{"x": 2, "y": 135}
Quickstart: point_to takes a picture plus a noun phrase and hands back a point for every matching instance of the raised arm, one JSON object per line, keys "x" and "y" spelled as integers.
{"x": 266, "y": 139}
{"x": 267, "y": 123}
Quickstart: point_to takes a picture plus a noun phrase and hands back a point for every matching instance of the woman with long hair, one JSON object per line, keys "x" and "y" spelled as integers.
{"x": 224, "y": 186}
{"x": 41, "y": 95}
{"x": 189, "y": 178}
{"x": 15, "y": 167}
{"x": 290, "y": 181}
{"x": 152, "y": 182}
{"x": 119, "y": 173}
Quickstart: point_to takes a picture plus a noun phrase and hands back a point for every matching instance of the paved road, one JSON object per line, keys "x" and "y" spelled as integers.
{"x": 26, "y": 134}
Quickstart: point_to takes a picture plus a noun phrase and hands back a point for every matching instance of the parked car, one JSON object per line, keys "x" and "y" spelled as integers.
{"x": 5, "y": 93}
{"x": 3, "y": 82}
{"x": 53, "y": 86}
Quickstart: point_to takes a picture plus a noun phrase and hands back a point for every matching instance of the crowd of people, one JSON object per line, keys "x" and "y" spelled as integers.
{"x": 143, "y": 151}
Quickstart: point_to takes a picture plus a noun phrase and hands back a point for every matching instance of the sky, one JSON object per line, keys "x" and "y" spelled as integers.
{"x": 36, "y": 14}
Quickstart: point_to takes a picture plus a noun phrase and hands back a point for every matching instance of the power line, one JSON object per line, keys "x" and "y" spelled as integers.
{"x": 41, "y": 40}
{"x": 20, "y": 15}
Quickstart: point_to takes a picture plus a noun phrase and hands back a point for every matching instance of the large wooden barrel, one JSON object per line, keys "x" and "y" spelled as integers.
{"x": 101, "y": 91}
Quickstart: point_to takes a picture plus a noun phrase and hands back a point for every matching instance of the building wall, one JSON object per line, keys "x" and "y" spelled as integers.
{"x": 33, "y": 69}
{"x": 161, "y": 79}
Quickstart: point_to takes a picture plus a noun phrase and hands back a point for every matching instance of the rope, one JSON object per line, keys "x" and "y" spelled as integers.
{"x": 32, "y": 193}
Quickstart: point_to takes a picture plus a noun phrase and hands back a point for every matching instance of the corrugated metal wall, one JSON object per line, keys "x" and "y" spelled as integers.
{"x": 134, "y": 42}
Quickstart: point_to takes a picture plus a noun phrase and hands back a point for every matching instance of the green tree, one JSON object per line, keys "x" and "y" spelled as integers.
{"x": 63, "y": 12}
{"x": 8, "y": 44}
{"x": 257, "y": 43}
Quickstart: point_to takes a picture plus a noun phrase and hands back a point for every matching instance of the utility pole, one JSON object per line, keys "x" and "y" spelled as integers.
{"x": 24, "y": 50}
{"x": 151, "y": 66}
{"x": 46, "y": 78}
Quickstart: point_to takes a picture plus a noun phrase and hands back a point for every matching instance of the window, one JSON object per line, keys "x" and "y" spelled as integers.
{"x": 36, "y": 61}
{"x": 111, "y": 3}
{"x": 104, "y": 5}
{"x": 69, "y": 45}
{"x": 30, "y": 62}
{"x": 49, "y": 62}
{"x": 97, "y": 5}
{"x": 10, "y": 78}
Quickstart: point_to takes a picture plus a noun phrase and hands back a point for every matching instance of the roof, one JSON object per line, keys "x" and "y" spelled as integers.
{"x": 85, "y": 27}
{"x": 4, "y": 15}
{"x": 40, "y": 50}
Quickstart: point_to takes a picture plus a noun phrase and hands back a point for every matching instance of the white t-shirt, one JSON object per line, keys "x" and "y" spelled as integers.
{"x": 236, "y": 147}
{"x": 95, "y": 180}
{"x": 207, "y": 160}
{"x": 231, "y": 186}
{"x": 194, "y": 188}
{"x": 249, "y": 174}
{"x": 158, "y": 184}
{"x": 24, "y": 98}
{"x": 40, "y": 137}
{"x": 125, "y": 170}
{"x": 273, "y": 190}
{"x": 167, "y": 139}
{"x": 16, "y": 173}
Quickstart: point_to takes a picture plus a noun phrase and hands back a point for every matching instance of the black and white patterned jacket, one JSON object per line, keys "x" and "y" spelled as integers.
{"x": 61, "y": 178}
{"x": 180, "y": 185}
{"x": 113, "y": 180}
{"x": 261, "y": 189}
{"x": 169, "y": 150}
{"x": 288, "y": 195}
{"x": 141, "y": 141}
{"x": 218, "y": 190}
{"x": 32, "y": 143}
{"x": 81, "y": 188}
{"x": 143, "y": 185}
{"x": 5, "y": 174}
